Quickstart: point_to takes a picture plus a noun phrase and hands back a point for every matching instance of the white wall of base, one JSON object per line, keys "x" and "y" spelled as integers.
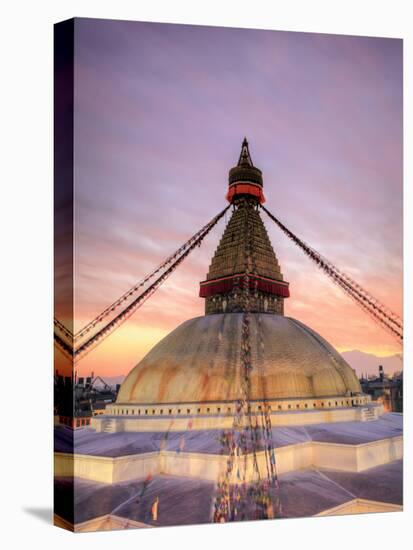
{"x": 361, "y": 506}
{"x": 347, "y": 458}
{"x": 108, "y": 522}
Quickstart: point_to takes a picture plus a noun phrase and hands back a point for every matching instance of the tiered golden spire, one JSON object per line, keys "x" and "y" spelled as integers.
{"x": 244, "y": 251}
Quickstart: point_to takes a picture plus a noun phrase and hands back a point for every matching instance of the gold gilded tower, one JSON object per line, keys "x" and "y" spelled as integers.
{"x": 245, "y": 254}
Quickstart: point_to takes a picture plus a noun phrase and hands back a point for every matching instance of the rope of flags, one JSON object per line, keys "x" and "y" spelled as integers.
{"x": 383, "y": 315}
{"x": 77, "y": 352}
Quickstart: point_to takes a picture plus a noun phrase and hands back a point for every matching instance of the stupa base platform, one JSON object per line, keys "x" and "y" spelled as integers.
{"x": 120, "y": 457}
{"x": 308, "y": 492}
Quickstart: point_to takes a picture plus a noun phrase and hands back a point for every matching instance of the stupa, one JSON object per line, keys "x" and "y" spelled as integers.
{"x": 196, "y": 370}
{"x": 336, "y": 451}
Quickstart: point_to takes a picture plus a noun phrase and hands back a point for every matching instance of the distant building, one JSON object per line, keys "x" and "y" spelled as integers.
{"x": 385, "y": 389}
{"x": 91, "y": 396}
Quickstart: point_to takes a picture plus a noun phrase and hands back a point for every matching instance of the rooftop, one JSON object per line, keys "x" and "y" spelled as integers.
{"x": 89, "y": 442}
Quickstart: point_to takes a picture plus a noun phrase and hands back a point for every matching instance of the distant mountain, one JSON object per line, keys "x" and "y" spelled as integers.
{"x": 368, "y": 363}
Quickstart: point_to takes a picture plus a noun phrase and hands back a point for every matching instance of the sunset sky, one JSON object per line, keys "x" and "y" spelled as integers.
{"x": 160, "y": 114}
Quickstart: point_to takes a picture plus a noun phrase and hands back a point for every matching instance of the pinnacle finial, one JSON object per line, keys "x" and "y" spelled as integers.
{"x": 245, "y": 157}
{"x": 245, "y": 179}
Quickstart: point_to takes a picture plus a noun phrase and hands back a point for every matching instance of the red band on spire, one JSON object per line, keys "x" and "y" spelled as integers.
{"x": 224, "y": 285}
{"x": 245, "y": 189}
